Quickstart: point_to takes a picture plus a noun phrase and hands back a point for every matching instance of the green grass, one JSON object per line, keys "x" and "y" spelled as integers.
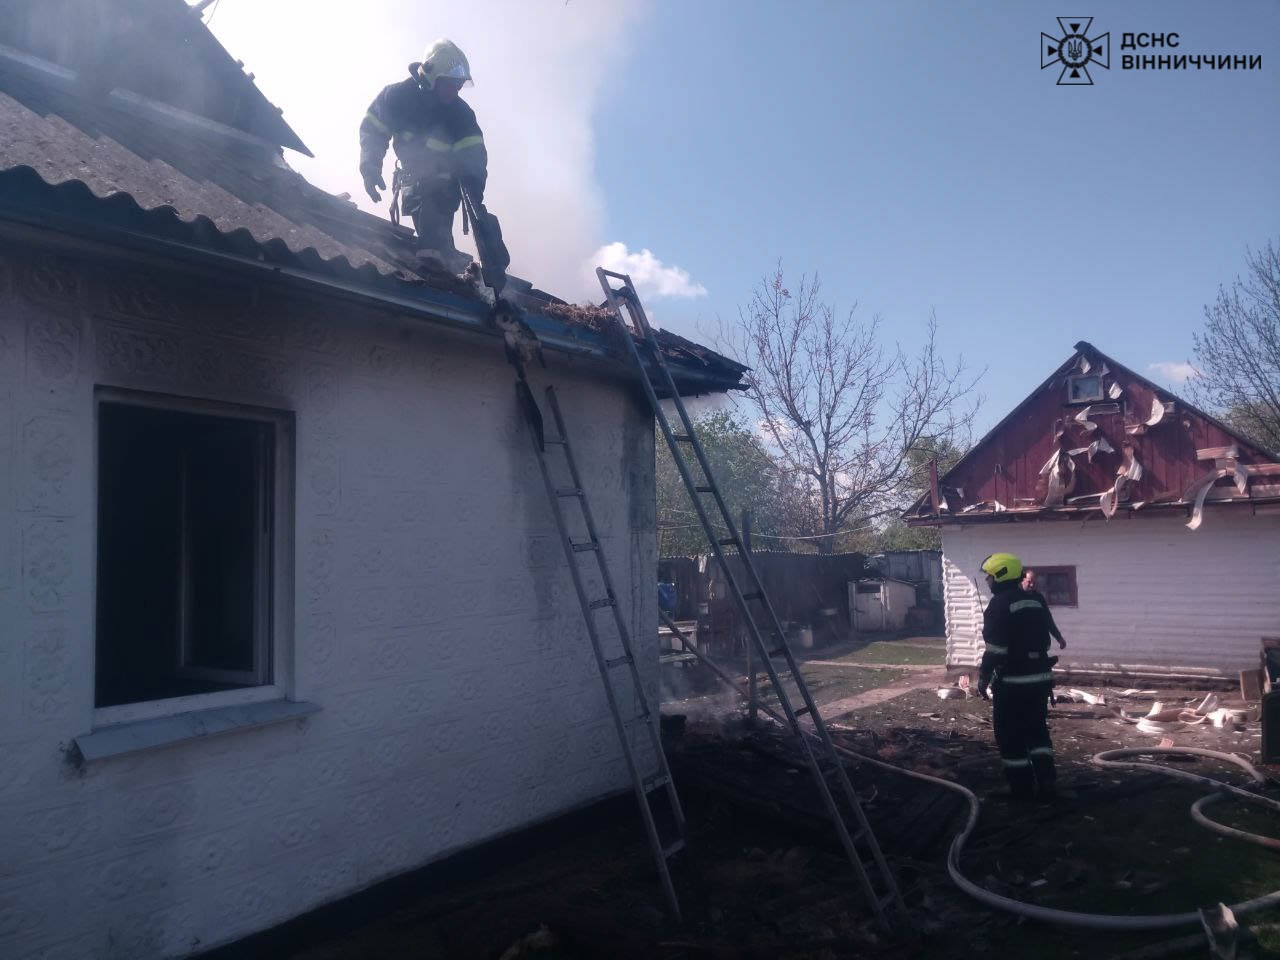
{"x": 887, "y": 651}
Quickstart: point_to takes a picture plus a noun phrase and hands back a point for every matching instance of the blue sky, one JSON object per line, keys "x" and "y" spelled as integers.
{"x": 913, "y": 153}
{"x": 916, "y": 155}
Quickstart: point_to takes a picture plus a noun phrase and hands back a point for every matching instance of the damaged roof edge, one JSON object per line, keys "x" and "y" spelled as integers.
{"x": 1082, "y": 513}
{"x": 988, "y": 436}
{"x": 443, "y": 308}
{"x": 913, "y": 516}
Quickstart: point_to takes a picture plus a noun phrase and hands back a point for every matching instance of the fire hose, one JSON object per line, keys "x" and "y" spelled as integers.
{"x": 1107, "y": 759}
{"x": 1111, "y": 759}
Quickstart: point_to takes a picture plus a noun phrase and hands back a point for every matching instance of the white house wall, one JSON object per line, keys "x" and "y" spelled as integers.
{"x": 434, "y": 619}
{"x": 1153, "y": 594}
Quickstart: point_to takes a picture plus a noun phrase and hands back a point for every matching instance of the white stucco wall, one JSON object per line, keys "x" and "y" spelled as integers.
{"x": 434, "y": 619}
{"x": 1153, "y": 594}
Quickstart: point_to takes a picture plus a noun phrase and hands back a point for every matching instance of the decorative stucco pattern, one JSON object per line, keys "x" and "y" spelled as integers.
{"x": 433, "y": 618}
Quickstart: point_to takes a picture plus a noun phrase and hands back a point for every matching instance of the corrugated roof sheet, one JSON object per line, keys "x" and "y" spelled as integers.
{"x": 117, "y": 220}
{"x": 235, "y": 185}
{"x": 186, "y": 182}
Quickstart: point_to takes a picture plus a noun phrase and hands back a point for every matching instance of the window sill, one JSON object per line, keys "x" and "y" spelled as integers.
{"x": 139, "y": 735}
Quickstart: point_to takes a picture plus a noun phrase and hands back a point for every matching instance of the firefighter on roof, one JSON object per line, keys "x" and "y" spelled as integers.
{"x": 1017, "y": 667}
{"x": 437, "y": 142}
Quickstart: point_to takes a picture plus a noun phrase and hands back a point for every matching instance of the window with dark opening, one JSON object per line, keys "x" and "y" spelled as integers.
{"x": 184, "y": 550}
{"x": 1084, "y": 389}
{"x": 1058, "y": 584}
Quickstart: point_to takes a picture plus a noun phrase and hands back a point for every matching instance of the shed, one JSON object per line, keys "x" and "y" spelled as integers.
{"x": 880, "y": 603}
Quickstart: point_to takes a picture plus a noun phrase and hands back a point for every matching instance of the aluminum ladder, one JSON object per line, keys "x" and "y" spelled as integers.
{"x": 877, "y": 881}
{"x": 574, "y": 550}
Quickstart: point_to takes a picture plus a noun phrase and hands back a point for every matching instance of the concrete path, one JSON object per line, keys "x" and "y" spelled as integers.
{"x": 917, "y": 678}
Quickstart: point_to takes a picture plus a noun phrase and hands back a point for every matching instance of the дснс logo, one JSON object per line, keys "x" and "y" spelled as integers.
{"x": 1075, "y": 51}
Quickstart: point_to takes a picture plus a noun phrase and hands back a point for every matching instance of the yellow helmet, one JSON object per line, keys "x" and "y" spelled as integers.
{"x": 444, "y": 59}
{"x": 1002, "y": 567}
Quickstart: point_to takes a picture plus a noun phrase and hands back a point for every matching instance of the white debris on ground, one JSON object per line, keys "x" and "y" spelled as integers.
{"x": 1159, "y": 718}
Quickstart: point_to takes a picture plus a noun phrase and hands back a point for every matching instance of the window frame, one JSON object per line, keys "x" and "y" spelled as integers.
{"x": 1096, "y": 398}
{"x": 273, "y": 674}
{"x": 1069, "y": 571}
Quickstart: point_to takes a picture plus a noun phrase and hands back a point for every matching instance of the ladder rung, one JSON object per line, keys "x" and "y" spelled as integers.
{"x": 802, "y": 711}
{"x": 703, "y": 489}
{"x": 682, "y": 438}
{"x": 600, "y": 604}
{"x": 777, "y": 653}
{"x": 754, "y": 595}
{"x": 625, "y": 658}
{"x": 569, "y": 492}
{"x": 672, "y": 849}
{"x": 585, "y": 546}
{"x": 657, "y": 780}
{"x": 559, "y": 441}
{"x": 729, "y": 542}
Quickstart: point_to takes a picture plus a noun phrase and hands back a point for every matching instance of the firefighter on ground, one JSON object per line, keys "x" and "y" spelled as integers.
{"x": 1017, "y": 667}
{"x": 438, "y": 143}
{"x": 1029, "y": 587}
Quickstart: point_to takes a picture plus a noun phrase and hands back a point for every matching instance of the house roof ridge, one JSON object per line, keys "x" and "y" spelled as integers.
{"x": 64, "y": 79}
{"x": 1156, "y": 388}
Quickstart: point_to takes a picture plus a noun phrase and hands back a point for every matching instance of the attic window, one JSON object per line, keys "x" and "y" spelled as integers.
{"x": 1084, "y": 389}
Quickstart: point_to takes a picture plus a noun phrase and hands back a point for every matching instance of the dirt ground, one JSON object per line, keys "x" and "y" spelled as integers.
{"x": 764, "y": 878}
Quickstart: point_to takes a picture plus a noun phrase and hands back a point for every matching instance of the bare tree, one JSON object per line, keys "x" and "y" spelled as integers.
{"x": 748, "y": 476}
{"x": 844, "y": 412}
{"x": 1238, "y": 352}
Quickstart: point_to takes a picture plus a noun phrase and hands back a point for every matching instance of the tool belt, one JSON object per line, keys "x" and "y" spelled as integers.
{"x": 397, "y": 188}
{"x": 407, "y": 192}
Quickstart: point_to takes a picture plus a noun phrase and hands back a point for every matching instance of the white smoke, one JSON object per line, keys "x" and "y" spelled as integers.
{"x": 540, "y": 66}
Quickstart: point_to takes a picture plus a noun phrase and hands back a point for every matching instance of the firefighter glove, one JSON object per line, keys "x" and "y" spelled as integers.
{"x": 373, "y": 182}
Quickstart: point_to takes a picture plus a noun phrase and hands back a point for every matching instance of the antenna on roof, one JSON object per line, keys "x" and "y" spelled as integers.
{"x": 199, "y": 8}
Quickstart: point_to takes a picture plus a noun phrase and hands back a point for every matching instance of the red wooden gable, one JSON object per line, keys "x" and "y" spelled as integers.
{"x": 1101, "y": 417}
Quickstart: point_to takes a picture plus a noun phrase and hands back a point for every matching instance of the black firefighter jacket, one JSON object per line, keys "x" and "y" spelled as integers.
{"x": 434, "y": 140}
{"x": 1015, "y": 628}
